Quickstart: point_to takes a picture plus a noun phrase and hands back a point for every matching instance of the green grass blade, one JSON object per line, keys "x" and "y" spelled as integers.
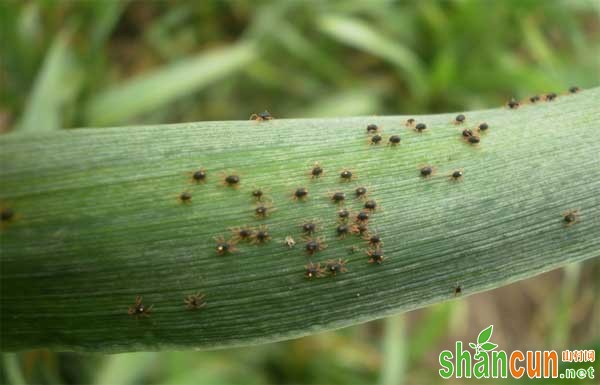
{"x": 12, "y": 368}
{"x": 56, "y": 84}
{"x": 361, "y": 36}
{"x": 125, "y": 369}
{"x": 394, "y": 365}
{"x": 97, "y": 223}
{"x": 154, "y": 90}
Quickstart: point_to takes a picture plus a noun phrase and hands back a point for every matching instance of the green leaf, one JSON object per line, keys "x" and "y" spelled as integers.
{"x": 473, "y": 346}
{"x": 55, "y": 86}
{"x": 487, "y": 346}
{"x": 97, "y": 222}
{"x": 361, "y": 36}
{"x": 485, "y": 335}
{"x": 147, "y": 92}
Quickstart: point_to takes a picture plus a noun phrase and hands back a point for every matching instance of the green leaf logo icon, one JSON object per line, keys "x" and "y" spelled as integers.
{"x": 483, "y": 343}
{"x": 485, "y": 335}
{"x": 488, "y": 346}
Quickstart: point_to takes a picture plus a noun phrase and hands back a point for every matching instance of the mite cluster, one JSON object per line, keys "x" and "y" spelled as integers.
{"x": 348, "y": 224}
{"x": 375, "y": 136}
{"x": 534, "y": 99}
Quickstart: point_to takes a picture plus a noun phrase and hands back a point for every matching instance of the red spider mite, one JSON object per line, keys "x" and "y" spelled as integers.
{"x": 375, "y": 139}
{"x": 316, "y": 171}
{"x": 342, "y": 230}
{"x": 420, "y": 127}
{"x": 230, "y": 179}
{"x": 313, "y": 271}
{"x": 457, "y": 175}
{"x": 199, "y": 176}
{"x": 301, "y": 193}
{"x": 376, "y": 255}
{"x": 362, "y": 217}
{"x": 570, "y": 217}
{"x": 409, "y": 122}
{"x": 336, "y": 267}
{"x": 139, "y": 309}
{"x": 347, "y": 175}
{"x": 343, "y": 214}
{"x": 261, "y": 235}
{"x": 185, "y": 197}
{"x": 371, "y": 205}
{"x": 337, "y": 197}
{"x": 224, "y": 246}
{"x": 394, "y": 140}
{"x": 373, "y": 239}
{"x": 263, "y": 210}
{"x": 361, "y": 192}
{"x": 262, "y": 116}
{"x": 259, "y": 193}
{"x": 427, "y": 171}
{"x": 194, "y": 301}
{"x": 513, "y": 104}
{"x": 242, "y": 233}
{"x": 457, "y": 290}
{"x": 460, "y": 119}
{"x": 310, "y": 227}
{"x": 314, "y": 245}
{"x": 359, "y": 228}
{"x": 372, "y": 128}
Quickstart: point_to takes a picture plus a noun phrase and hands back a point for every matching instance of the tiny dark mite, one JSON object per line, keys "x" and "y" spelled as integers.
{"x": 309, "y": 227}
{"x": 338, "y": 196}
{"x": 376, "y": 139}
{"x": 194, "y": 301}
{"x": 314, "y": 245}
{"x": 199, "y": 176}
{"x": 316, "y": 171}
{"x": 513, "y": 104}
{"x": 376, "y": 256}
{"x": 138, "y": 309}
{"x": 313, "y": 271}
{"x": 394, "y": 140}
{"x": 185, "y": 197}
{"x": 343, "y": 214}
{"x": 336, "y": 267}
{"x": 474, "y": 139}
{"x": 301, "y": 193}
{"x": 426, "y": 171}
{"x": 262, "y": 116}
{"x": 370, "y": 205}
{"x": 360, "y": 192}
{"x": 346, "y": 175}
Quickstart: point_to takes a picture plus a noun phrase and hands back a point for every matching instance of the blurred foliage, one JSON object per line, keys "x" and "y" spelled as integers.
{"x": 82, "y": 63}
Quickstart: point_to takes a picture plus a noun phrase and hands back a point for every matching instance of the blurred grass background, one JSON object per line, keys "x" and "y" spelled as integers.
{"x": 68, "y": 64}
